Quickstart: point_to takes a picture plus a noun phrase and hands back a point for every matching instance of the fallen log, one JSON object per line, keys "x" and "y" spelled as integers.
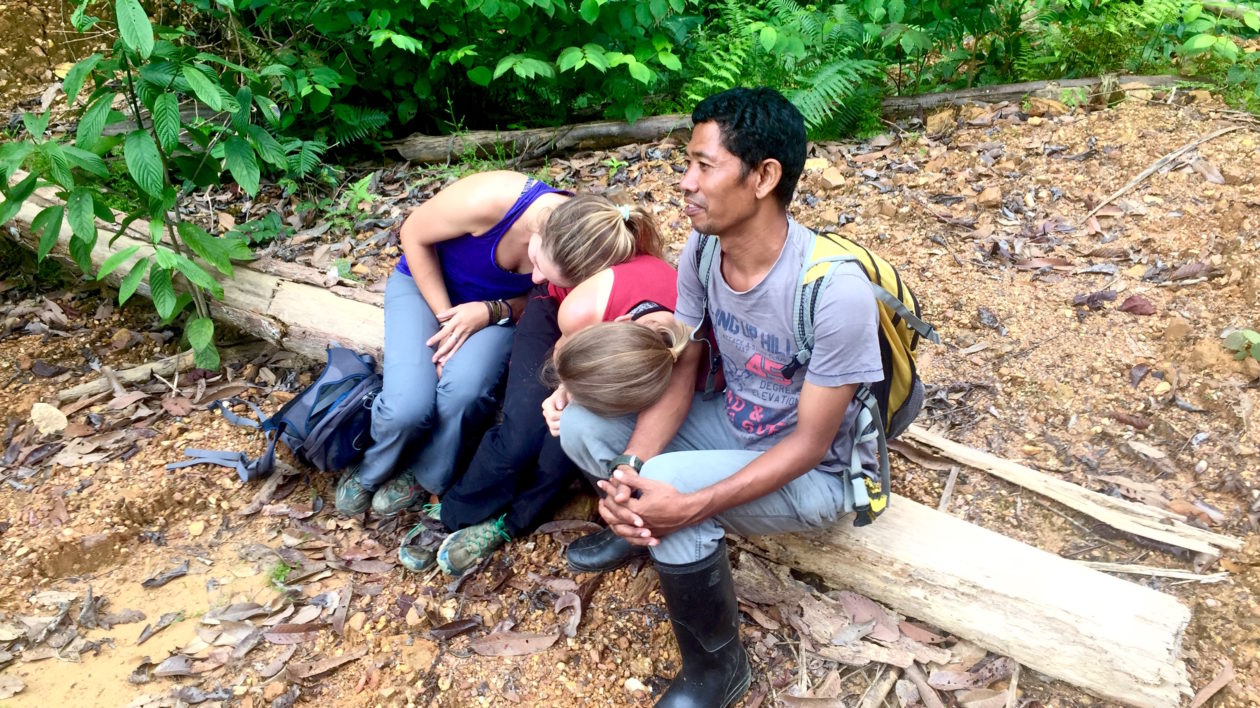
{"x": 1113, "y": 638}
{"x": 1140, "y": 519}
{"x": 294, "y": 315}
{"x": 535, "y": 143}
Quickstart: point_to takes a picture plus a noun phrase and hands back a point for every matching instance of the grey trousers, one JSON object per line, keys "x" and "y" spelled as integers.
{"x": 704, "y": 452}
{"x": 418, "y": 420}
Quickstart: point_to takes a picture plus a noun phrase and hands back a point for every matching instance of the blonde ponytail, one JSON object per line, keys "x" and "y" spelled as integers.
{"x": 618, "y": 368}
{"x": 589, "y": 233}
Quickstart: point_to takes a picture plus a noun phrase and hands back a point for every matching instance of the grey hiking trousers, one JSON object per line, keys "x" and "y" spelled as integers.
{"x": 704, "y": 452}
{"x": 419, "y": 421}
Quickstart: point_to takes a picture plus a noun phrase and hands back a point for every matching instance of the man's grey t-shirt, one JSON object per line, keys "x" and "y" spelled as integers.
{"x": 754, "y": 335}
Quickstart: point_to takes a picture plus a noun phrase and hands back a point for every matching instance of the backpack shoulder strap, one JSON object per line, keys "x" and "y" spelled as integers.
{"x": 706, "y": 250}
{"x": 816, "y": 273}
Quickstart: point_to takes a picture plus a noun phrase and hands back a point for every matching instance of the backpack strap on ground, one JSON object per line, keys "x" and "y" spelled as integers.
{"x": 248, "y": 470}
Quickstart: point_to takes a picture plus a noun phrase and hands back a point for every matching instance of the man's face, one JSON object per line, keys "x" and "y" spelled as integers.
{"x": 717, "y": 193}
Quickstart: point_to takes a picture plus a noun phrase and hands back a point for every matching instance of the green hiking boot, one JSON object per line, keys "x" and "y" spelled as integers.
{"x": 397, "y": 495}
{"x": 352, "y": 497}
{"x": 418, "y": 550}
{"x": 465, "y": 548}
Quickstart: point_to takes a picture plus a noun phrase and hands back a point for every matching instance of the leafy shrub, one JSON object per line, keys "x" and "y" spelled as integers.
{"x": 162, "y": 155}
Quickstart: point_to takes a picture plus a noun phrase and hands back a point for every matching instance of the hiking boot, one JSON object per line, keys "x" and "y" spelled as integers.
{"x": 352, "y": 497}
{"x": 700, "y": 597}
{"x": 601, "y": 552}
{"x": 465, "y": 548}
{"x": 418, "y": 550}
{"x": 397, "y": 495}
{"x": 433, "y": 511}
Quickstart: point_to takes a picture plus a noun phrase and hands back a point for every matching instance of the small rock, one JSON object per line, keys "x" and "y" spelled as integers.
{"x": 990, "y": 197}
{"x": 1176, "y": 330}
{"x": 1035, "y": 120}
{"x": 273, "y": 690}
{"x": 196, "y": 528}
{"x": 634, "y": 685}
{"x": 941, "y": 121}
{"x": 1200, "y": 96}
{"x": 413, "y": 617}
{"x": 1038, "y": 106}
{"x": 833, "y": 178}
{"x": 356, "y": 622}
{"x": 121, "y": 339}
{"x": 47, "y": 419}
{"x": 816, "y": 163}
{"x": 1162, "y": 387}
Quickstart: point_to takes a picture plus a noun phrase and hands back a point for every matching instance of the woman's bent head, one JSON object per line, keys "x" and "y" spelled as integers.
{"x": 589, "y": 233}
{"x": 619, "y": 368}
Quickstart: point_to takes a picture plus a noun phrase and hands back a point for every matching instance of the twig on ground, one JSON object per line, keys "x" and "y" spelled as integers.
{"x": 878, "y": 691}
{"x": 1155, "y": 167}
{"x": 949, "y": 488}
{"x": 1012, "y": 691}
{"x": 926, "y": 693}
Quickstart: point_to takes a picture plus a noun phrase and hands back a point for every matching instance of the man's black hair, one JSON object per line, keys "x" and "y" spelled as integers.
{"x": 757, "y": 124}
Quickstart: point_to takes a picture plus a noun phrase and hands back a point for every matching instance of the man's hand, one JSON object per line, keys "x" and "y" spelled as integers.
{"x": 457, "y": 325}
{"x": 644, "y": 510}
{"x": 553, "y": 407}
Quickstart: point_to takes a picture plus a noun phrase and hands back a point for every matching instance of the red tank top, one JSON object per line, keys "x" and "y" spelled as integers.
{"x": 642, "y": 278}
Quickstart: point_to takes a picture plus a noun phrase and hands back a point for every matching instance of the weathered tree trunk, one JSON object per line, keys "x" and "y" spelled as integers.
{"x": 1111, "y": 637}
{"x": 294, "y": 315}
{"x": 537, "y": 142}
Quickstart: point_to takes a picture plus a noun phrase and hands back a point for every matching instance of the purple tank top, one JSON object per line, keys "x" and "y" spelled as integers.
{"x": 468, "y": 265}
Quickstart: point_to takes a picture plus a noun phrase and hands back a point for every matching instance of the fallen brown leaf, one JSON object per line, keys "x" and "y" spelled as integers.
{"x": 513, "y": 643}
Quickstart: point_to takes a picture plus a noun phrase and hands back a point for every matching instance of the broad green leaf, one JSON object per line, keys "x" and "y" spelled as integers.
{"x": 769, "y": 37}
{"x": 157, "y": 229}
{"x": 47, "y": 225}
{"x": 589, "y": 11}
{"x": 181, "y": 301}
{"x": 207, "y": 358}
{"x": 144, "y": 163}
{"x": 11, "y": 157}
{"x": 74, "y": 78}
{"x": 164, "y": 257}
{"x": 128, "y": 286}
{"x": 134, "y": 27}
{"x": 1193, "y": 12}
{"x": 206, "y": 90}
{"x": 93, "y": 121}
{"x": 15, "y": 196}
{"x": 81, "y": 252}
{"x": 570, "y": 58}
{"x": 1252, "y": 20}
{"x": 1237, "y": 340}
{"x": 200, "y": 332}
{"x": 1200, "y": 43}
{"x": 595, "y": 57}
{"x": 896, "y": 11}
{"x": 80, "y": 215}
{"x": 80, "y": 21}
{"x": 240, "y": 116}
{"x": 166, "y": 120}
{"x": 58, "y": 163}
{"x": 116, "y": 259}
{"x": 86, "y": 161}
{"x": 641, "y": 73}
{"x": 480, "y": 75}
{"x": 268, "y": 148}
{"x": 36, "y": 124}
{"x": 505, "y": 64}
{"x": 659, "y": 9}
{"x": 102, "y": 211}
{"x": 208, "y": 247}
{"x": 239, "y": 158}
{"x": 162, "y": 291}
{"x": 198, "y": 276}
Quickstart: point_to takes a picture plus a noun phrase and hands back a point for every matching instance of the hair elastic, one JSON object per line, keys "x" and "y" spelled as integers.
{"x": 624, "y": 211}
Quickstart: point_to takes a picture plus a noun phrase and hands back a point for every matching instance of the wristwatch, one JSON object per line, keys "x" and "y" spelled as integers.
{"x": 628, "y": 460}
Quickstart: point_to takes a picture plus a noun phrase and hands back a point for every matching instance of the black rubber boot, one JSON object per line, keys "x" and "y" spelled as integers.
{"x": 601, "y": 552}
{"x": 701, "y": 601}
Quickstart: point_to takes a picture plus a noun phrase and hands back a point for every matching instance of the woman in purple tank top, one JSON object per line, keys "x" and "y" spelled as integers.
{"x": 470, "y": 255}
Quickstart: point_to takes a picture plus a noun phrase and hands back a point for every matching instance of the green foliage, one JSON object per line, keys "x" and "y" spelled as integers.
{"x": 158, "y": 160}
{"x": 280, "y": 573}
{"x": 1244, "y": 343}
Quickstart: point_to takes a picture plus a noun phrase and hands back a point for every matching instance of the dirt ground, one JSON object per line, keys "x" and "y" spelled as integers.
{"x": 1089, "y": 349}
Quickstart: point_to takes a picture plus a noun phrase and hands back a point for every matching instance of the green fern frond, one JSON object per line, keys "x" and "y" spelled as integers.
{"x": 307, "y": 156}
{"x": 353, "y": 123}
{"x": 831, "y": 87}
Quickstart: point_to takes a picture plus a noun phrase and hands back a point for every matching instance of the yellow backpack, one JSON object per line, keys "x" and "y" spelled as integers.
{"x": 888, "y": 406}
